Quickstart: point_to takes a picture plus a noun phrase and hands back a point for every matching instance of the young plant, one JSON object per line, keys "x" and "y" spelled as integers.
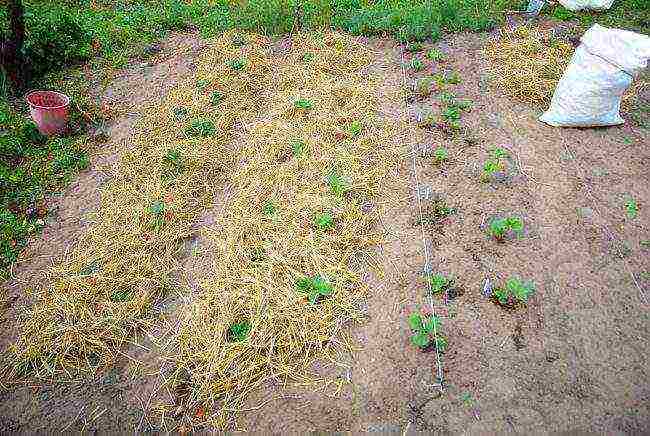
{"x": 414, "y": 47}
{"x": 453, "y": 78}
{"x": 308, "y": 57}
{"x": 355, "y": 128}
{"x": 180, "y": 113}
{"x": 201, "y": 128}
{"x": 297, "y": 148}
{"x": 238, "y": 331}
{"x": 215, "y": 98}
{"x": 631, "y": 208}
{"x": 425, "y": 329}
{"x": 157, "y": 211}
{"x": 451, "y": 114}
{"x": 440, "y": 283}
{"x": 490, "y": 167}
{"x": 303, "y": 104}
{"x": 500, "y": 228}
{"x": 172, "y": 164}
{"x": 269, "y": 208}
{"x": 435, "y": 55}
{"x": 202, "y": 84}
{"x": 515, "y": 292}
{"x": 337, "y": 185}
{"x": 324, "y": 222}
{"x": 499, "y": 153}
{"x": 316, "y": 288}
{"x": 440, "y": 155}
{"x": 417, "y": 64}
{"x": 238, "y": 40}
{"x": 423, "y": 87}
{"x": 237, "y": 64}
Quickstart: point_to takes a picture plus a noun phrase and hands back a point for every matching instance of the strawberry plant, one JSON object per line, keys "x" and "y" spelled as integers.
{"x": 269, "y": 208}
{"x": 303, "y": 104}
{"x": 440, "y": 155}
{"x": 297, "y": 148}
{"x": 238, "y": 40}
{"x": 157, "y": 211}
{"x": 514, "y": 293}
{"x": 500, "y": 228}
{"x": 417, "y": 64}
{"x": 440, "y": 283}
{"x": 451, "y": 113}
{"x": 494, "y": 164}
{"x": 308, "y": 57}
{"x": 355, "y": 128}
{"x": 435, "y": 55}
{"x": 316, "y": 288}
{"x": 414, "y": 47}
{"x": 337, "y": 185}
{"x": 324, "y": 222}
{"x": 202, "y": 84}
{"x": 172, "y": 165}
{"x": 201, "y": 128}
{"x": 425, "y": 329}
{"x": 238, "y": 331}
{"x": 180, "y": 113}
{"x": 237, "y": 64}
{"x": 631, "y": 208}
{"x": 215, "y": 98}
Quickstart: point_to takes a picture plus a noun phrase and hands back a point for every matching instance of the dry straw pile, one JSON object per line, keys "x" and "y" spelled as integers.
{"x": 297, "y": 140}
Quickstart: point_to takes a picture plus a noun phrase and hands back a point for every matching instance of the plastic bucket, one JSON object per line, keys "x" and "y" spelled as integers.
{"x": 49, "y": 110}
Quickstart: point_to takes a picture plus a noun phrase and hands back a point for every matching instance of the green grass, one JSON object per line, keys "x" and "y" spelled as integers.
{"x": 624, "y": 14}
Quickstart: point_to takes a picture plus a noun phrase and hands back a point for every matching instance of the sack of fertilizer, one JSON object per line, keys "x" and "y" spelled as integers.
{"x": 601, "y": 69}
{"x": 581, "y": 5}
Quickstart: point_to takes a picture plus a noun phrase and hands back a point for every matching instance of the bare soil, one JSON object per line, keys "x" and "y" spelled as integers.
{"x": 575, "y": 359}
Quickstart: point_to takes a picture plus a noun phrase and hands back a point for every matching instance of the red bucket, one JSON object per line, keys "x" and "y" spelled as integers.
{"x": 49, "y": 111}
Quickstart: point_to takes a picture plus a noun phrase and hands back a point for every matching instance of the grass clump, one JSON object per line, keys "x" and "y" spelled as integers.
{"x": 417, "y": 64}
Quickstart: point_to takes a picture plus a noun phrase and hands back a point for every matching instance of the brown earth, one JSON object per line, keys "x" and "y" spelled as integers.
{"x": 574, "y": 359}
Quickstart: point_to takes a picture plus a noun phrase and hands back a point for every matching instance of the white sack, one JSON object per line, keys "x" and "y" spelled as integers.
{"x": 579, "y": 5}
{"x": 601, "y": 69}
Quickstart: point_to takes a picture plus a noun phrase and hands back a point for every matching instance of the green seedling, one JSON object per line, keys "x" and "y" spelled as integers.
{"x": 435, "y": 55}
{"x": 269, "y": 208}
{"x": 202, "y": 84}
{"x": 447, "y": 98}
{"x": 337, "y": 185}
{"x": 239, "y": 331}
{"x": 515, "y": 292}
{"x": 180, "y": 113}
{"x": 631, "y": 208}
{"x": 440, "y": 283}
{"x": 303, "y": 104}
{"x": 237, "y": 64}
{"x": 172, "y": 164}
{"x": 424, "y": 331}
{"x": 201, "y": 128}
{"x": 440, "y": 155}
{"x": 490, "y": 168}
{"x": 451, "y": 113}
{"x": 324, "y": 222}
{"x": 316, "y": 288}
{"x": 121, "y": 295}
{"x": 308, "y": 57}
{"x": 297, "y": 148}
{"x": 238, "y": 40}
{"x": 417, "y": 64}
{"x": 157, "y": 210}
{"x": 499, "y": 228}
{"x": 423, "y": 87}
{"x": 499, "y": 153}
{"x": 437, "y": 211}
{"x": 355, "y": 128}
{"x": 414, "y": 47}
{"x": 453, "y": 78}
{"x": 216, "y": 98}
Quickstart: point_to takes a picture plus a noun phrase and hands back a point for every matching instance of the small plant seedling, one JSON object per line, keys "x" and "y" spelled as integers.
{"x": 440, "y": 155}
{"x": 499, "y": 153}
{"x": 297, "y": 148}
{"x": 355, "y": 128}
{"x": 202, "y": 84}
{"x": 324, "y": 222}
{"x": 269, "y": 208}
{"x": 238, "y": 331}
{"x": 157, "y": 210}
{"x": 308, "y": 57}
{"x": 237, "y": 64}
{"x": 447, "y": 98}
{"x": 337, "y": 185}
{"x": 215, "y": 98}
{"x": 424, "y": 331}
{"x": 453, "y": 78}
{"x": 631, "y": 208}
{"x": 514, "y": 293}
{"x": 303, "y": 104}
{"x": 423, "y": 87}
{"x": 180, "y": 113}
{"x": 499, "y": 228}
{"x": 172, "y": 164}
{"x": 490, "y": 168}
{"x": 201, "y": 128}
{"x": 451, "y": 113}
{"x": 417, "y": 64}
{"x": 435, "y": 55}
{"x": 121, "y": 295}
{"x": 238, "y": 40}
{"x": 414, "y": 47}
{"x": 316, "y": 288}
{"x": 440, "y": 283}
{"x": 437, "y": 211}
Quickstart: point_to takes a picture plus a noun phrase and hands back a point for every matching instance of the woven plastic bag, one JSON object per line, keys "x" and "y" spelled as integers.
{"x": 579, "y": 5}
{"x": 601, "y": 69}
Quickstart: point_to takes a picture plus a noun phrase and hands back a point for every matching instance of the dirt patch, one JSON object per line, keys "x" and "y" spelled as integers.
{"x": 572, "y": 360}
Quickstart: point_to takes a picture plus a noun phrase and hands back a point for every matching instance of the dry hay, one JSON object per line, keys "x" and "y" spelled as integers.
{"x": 527, "y": 63}
{"x": 264, "y": 241}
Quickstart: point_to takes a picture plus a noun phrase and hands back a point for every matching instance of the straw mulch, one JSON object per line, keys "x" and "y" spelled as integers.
{"x": 265, "y": 240}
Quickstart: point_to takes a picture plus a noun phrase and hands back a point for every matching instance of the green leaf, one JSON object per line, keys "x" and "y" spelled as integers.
{"x": 322, "y": 286}
{"x": 431, "y": 324}
{"x": 215, "y": 98}
{"x": 438, "y": 283}
{"x": 304, "y": 284}
{"x": 303, "y": 104}
{"x": 298, "y": 147}
{"x": 501, "y": 294}
{"x": 238, "y": 331}
{"x": 157, "y": 208}
{"x": 516, "y": 224}
{"x": 355, "y": 128}
{"x": 498, "y": 228}
{"x": 269, "y": 208}
{"x": 441, "y": 344}
{"x": 631, "y": 208}
{"x": 324, "y": 221}
{"x": 420, "y": 339}
{"x": 415, "y": 321}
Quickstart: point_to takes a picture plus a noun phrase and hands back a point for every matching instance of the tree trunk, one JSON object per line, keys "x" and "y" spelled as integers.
{"x": 11, "y": 54}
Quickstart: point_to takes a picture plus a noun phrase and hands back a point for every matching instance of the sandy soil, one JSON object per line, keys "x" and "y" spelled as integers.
{"x": 574, "y": 359}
